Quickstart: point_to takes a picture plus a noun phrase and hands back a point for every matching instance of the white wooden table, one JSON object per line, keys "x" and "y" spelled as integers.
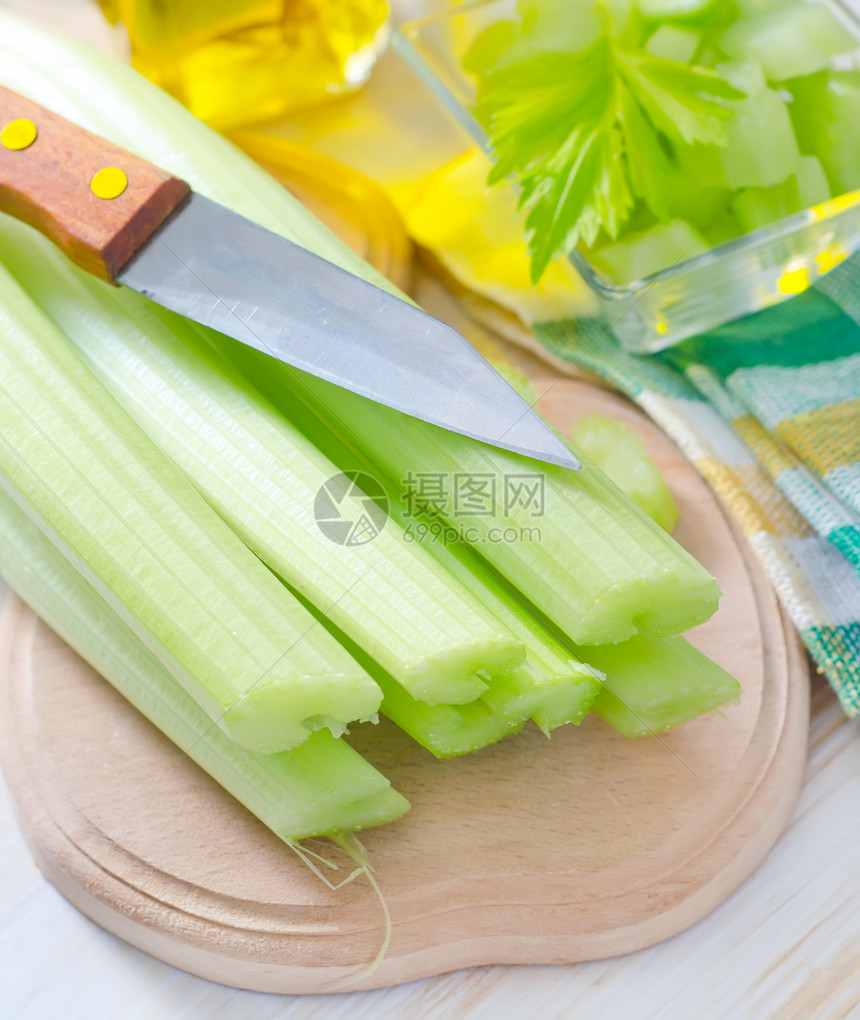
{"x": 786, "y": 944}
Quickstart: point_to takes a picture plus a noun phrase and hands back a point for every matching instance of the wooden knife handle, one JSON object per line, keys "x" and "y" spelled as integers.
{"x": 96, "y": 202}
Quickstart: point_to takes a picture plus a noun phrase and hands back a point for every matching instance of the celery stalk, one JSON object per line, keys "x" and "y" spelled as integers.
{"x": 601, "y": 570}
{"x": 319, "y": 788}
{"x": 262, "y": 477}
{"x": 242, "y": 646}
{"x": 650, "y": 684}
{"x": 653, "y": 685}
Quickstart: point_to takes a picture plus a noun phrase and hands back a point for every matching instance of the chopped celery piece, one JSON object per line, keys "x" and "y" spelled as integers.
{"x": 318, "y": 788}
{"x": 242, "y": 646}
{"x": 673, "y": 43}
{"x": 756, "y": 207}
{"x": 621, "y": 454}
{"x": 826, "y": 112}
{"x": 791, "y": 41}
{"x": 262, "y": 477}
{"x": 643, "y": 254}
{"x": 697, "y": 189}
{"x": 810, "y": 183}
{"x": 654, "y": 685}
{"x": 760, "y": 148}
{"x": 724, "y": 227}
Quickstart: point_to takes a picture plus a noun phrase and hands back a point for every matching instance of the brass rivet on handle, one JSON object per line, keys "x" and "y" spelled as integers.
{"x": 109, "y": 182}
{"x": 18, "y": 134}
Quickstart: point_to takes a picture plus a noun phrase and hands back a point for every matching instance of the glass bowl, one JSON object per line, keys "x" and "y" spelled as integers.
{"x": 741, "y": 276}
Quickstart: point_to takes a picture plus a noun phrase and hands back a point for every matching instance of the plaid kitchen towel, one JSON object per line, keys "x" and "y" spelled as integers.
{"x": 768, "y": 409}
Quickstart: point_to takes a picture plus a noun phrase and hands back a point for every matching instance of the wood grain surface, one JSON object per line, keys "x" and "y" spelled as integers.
{"x": 532, "y": 851}
{"x": 47, "y": 184}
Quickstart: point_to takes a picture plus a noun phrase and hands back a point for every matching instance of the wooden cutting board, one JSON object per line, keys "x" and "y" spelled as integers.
{"x": 532, "y": 851}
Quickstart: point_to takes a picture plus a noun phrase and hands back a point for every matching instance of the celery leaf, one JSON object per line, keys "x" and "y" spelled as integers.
{"x": 587, "y": 134}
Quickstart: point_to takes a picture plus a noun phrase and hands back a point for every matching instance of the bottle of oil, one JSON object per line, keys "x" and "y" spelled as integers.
{"x": 234, "y": 62}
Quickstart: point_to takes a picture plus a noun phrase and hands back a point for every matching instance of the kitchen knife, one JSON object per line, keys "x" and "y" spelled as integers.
{"x": 128, "y": 222}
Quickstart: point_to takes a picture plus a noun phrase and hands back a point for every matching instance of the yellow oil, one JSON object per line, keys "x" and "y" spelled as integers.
{"x": 234, "y": 62}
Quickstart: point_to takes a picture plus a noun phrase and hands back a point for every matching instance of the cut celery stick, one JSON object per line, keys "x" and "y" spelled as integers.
{"x": 552, "y": 687}
{"x": 760, "y": 148}
{"x": 794, "y": 40}
{"x": 621, "y": 454}
{"x": 319, "y": 788}
{"x": 447, "y": 731}
{"x": 673, "y": 43}
{"x": 683, "y": 670}
{"x": 652, "y": 685}
{"x": 641, "y": 255}
{"x": 250, "y": 654}
{"x": 262, "y": 477}
{"x": 683, "y": 685}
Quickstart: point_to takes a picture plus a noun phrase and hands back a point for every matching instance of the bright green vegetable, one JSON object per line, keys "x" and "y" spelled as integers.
{"x": 250, "y": 654}
{"x": 794, "y": 40}
{"x": 585, "y": 132}
{"x": 654, "y": 685}
{"x": 552, "y": 686}
{"x": 756, "y": 207}
{"x": 621, "y": 454}
{"x": 760, "y": 148}
{"x": 643, "y": 254}
{"x": 321, "y": 787}
{"x": 826, "y": 112}
{"x": 262, "y": 477}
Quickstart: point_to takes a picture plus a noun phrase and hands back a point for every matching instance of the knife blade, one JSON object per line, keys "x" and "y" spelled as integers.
{"x": 133, "y": 224}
